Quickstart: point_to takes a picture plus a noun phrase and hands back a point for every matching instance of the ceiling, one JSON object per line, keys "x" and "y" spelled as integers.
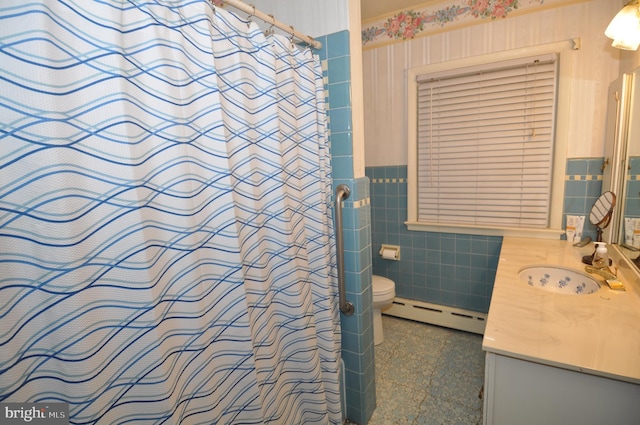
{"x": 374, "y": 8}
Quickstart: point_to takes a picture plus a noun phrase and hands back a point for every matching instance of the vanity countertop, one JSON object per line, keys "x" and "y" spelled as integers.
{"x": 597, "y": 333}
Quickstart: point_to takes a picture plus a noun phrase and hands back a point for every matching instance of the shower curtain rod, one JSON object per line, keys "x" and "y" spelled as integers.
{"x": 252, "y": 11}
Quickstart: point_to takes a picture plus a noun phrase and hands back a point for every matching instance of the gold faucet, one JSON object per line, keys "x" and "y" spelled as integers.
{"x": 611, "y": 279}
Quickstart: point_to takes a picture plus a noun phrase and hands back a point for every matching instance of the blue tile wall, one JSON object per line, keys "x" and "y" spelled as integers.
{"x": 582, "y": 187}
{"x": 632, "y": 201}
{"x": 455, "y": 269}
{"x": 357, "y": 330}
{"x": 337, "y": 74}
{"x": 440, "y": 268}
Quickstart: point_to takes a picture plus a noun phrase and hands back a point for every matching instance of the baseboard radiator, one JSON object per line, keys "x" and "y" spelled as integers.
{"x": 449, "y": 317}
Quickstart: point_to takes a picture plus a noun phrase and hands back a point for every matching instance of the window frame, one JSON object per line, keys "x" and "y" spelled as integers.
{"x": 553, "y": 230}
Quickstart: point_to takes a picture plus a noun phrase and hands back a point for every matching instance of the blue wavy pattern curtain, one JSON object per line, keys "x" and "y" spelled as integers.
{"x": 166, "y": 249}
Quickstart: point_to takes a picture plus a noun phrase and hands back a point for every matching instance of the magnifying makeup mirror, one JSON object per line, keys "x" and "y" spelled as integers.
{"x": 600, "y": 216}
{"x": 602, "y": 211}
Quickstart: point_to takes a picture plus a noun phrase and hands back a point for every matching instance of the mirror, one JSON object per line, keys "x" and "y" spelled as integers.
{"x": 626, "y": 215}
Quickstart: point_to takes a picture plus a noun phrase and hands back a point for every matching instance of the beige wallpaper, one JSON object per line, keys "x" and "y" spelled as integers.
{"x": 595, "y": 66}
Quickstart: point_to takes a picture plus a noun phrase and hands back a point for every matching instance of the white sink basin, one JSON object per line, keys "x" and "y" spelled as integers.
{"x": 559, "y": 280}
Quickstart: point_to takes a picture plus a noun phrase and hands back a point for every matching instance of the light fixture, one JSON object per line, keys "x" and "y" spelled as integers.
{"x": 624, "y": 28}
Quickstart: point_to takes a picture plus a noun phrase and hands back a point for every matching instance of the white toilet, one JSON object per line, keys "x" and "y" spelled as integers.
{"x": 384, "y": 291}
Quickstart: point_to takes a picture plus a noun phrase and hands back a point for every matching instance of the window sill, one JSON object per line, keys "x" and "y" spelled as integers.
{"x": 484, "y": 230}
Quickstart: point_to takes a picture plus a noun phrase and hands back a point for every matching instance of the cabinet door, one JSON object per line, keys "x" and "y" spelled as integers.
{"x": 519, "y": 392}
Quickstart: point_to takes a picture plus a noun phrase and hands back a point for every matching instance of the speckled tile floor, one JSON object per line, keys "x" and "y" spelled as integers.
{"x": 427, "y": 375}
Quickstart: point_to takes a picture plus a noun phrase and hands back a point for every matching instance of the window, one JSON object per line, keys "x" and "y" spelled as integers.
{"x": 482, "y": 155}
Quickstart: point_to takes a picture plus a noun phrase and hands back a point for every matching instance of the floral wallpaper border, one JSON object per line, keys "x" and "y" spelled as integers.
{"x": 410, "y": 23}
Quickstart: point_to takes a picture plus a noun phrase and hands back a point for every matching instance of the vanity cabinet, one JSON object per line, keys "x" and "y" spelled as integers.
{"x": 520, "y": 392}
{"x": 557, "y": 359}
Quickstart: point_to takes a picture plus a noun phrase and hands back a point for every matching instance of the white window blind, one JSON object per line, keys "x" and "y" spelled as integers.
{"x": 485, "y": 144}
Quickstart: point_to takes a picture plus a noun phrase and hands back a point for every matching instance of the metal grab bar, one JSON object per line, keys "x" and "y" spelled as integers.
{"x": 346, "y": 307}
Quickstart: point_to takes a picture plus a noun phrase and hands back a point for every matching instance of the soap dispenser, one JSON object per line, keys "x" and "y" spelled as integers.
{"x": 600, "y": 257}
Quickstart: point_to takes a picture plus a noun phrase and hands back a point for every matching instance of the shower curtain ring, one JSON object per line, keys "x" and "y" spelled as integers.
{"x": 251, "y": 16}
{"x": 270, "y": 31}
{"x": 215, "y": 3}
{"x": 310, "y": 45}
{"x": 292, "y": 32}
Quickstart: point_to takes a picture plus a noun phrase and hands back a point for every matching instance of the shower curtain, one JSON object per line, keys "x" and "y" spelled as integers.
{"x": 166, "y": 248}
